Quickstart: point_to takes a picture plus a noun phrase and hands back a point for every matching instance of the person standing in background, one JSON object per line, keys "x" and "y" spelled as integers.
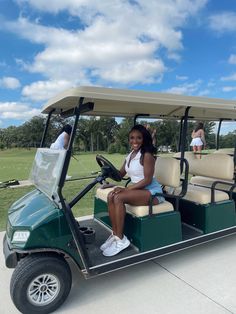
{"x": 198, "y": 139}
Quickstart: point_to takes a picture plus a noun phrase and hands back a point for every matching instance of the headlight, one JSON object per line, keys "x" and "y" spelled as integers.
{"x": 21, "y": 236}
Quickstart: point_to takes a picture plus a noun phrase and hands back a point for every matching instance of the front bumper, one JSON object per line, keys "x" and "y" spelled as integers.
{"x": 10, "y": 256}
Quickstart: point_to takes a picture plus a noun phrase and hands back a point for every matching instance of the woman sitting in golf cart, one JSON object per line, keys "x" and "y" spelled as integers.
{"x": 63, "y": 138}
{"x": 139, "y": 165}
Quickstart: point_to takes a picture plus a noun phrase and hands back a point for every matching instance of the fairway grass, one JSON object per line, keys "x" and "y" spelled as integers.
{"x": 17, "y": 163}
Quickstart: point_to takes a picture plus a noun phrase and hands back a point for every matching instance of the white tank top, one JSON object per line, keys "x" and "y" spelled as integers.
{"x": 135, "y": 169}
{"x": 59, "y": 143}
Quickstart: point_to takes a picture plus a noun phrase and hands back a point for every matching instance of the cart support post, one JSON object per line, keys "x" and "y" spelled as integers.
{"x": 46, "y": 128}
{"x": 183, "y": 136}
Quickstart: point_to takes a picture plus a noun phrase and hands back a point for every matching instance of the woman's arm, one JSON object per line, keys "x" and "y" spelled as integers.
{"x": 122, "y": 173}
{"x": 148, "y": 169}
{"x": 122, "y": 170}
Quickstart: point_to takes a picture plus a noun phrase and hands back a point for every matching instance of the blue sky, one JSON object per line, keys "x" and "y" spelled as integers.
{"x": 178, "y": 46}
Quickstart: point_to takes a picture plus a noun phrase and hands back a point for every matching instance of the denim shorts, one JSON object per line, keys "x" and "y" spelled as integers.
{"x": 155, "y": 187}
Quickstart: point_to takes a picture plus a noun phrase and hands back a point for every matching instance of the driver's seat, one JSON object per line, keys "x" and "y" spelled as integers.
{"x": 167, "y": 172}
{"x": 143, "y": 222}
{"x": 138, "y": 211}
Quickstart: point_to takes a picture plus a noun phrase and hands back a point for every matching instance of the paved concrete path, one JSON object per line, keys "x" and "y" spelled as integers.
{"x": 199, "y": 280}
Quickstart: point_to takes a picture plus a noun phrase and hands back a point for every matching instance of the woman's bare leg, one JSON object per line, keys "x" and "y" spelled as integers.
{"x": 119, "y": 219}
{"x": 194, "y": 148}
{"x": 199, "y": 150}
{"x": 117, "y": 213}
{"x": 111, "y": 210}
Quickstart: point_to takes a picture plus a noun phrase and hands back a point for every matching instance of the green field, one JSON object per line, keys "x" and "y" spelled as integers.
{"x": 16, "y": 164}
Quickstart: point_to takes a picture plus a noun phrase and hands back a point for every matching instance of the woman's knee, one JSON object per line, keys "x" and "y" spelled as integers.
{"x": 118, "y": 198}
{"x": 110, "y": 196}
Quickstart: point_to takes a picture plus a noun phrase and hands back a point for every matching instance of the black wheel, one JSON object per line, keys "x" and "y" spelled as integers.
{"x": 108, "y": 169}
{"x": 40, "y": 283}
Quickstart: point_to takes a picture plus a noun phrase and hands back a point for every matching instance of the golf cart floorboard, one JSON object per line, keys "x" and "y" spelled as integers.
{"x": 189, "y": 232}
{"x": 102, "y": 233}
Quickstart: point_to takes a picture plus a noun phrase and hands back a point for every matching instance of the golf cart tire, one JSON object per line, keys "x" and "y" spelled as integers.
{"x": 27, "y": 286}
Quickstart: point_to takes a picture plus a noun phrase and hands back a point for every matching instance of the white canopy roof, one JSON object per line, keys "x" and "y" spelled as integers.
{"x": 123, "y": 102}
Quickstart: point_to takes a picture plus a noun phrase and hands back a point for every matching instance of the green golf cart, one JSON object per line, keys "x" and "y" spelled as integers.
{"x": 42, "y": 235}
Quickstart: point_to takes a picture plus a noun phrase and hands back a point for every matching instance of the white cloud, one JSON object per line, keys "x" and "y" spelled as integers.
{"x": 18, "y": 111}
{"x": 133, "y": 72}
{"x": 181, "y": 77}
{"x": 89, "y": 8}
{"x": 211, "y": 83}
{"x": 186, "y": 88}
{"x": 118, "y": 43}
{"x": 174, "y": 56}
{"x": 204, "y": 92}
{"x": 232, "y": 59}
{"x": 231, "y": 77}
{"x": 223, "y": 22}
{"x": 43, "y": 90}
{"x": 228, "y": 88}
{"x": 9, "y": 82}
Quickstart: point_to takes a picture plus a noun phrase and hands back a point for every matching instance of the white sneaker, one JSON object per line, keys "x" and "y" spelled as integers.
{"x": 108, "y": 242}
{"x": 116, "y": 246}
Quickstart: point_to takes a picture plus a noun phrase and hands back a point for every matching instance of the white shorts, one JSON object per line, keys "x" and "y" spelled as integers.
{"x": 196, "y": 142}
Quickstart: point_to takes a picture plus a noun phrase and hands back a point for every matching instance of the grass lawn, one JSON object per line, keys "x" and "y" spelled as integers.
{"x": 16, "y": 164}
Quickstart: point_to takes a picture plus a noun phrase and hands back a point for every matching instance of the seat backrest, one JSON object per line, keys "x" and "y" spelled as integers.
{"x": 219, "y": 166}
{"x": 229, "y": 151}
{"x": 167, "y": 171}
{"x": 189, "y": 156}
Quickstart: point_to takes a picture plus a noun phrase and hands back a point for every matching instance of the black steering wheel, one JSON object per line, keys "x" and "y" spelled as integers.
{"x": 108, "y": 169}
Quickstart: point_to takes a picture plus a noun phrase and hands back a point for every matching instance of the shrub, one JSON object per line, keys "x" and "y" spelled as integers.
{"x": 122, "y": 150}
{"x": 112, "y": 149}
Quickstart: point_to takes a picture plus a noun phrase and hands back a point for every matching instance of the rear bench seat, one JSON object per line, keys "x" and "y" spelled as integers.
{"x": 201, "y": 207}
{"x": 149, "y": 227}
{"x": 228, "y": 151}
{"x": 228, "y": 176}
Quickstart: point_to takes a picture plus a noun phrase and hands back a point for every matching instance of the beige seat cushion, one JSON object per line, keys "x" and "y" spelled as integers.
{"x": 189, "y": 156}
{"x": 201, "y": 195}
{"x": 207, "y": 181}
{"x": 141, "y": 211}
{"x": 219, "y": 166}
{"x": 167, "y": 171}
{"x": 224, "y": 151}
{"x": 103, "y": 193}
{"x": 138, "y": 211}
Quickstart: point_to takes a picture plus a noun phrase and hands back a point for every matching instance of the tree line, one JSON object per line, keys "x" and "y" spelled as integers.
{"x": 105, "y": 134}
